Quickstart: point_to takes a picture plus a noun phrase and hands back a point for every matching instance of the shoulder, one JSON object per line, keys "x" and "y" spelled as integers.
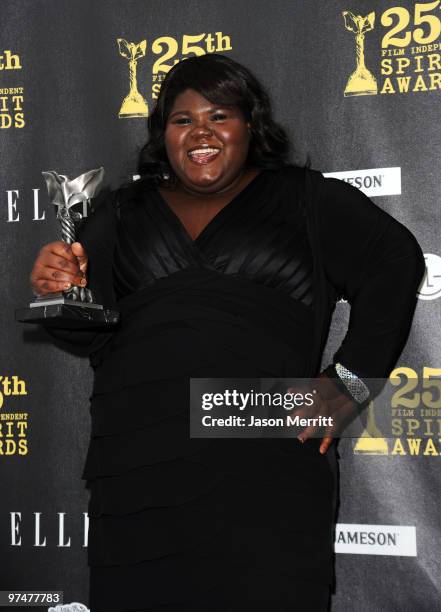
{"x": 134, "y": 190}
{"x": 312, "y": 187}
{"x": 343, "y": 202}
{"x": 348, "y": 213}
{"x": 322, "y": 186}
{"x": 305, "y": 178}
{"x": 287, "y": 181}
{"x": 112, "y": 202}
{"x": 290, "y": 172}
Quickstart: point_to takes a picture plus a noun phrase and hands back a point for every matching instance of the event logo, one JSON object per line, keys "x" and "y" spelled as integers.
{"x": 371, "y": 440}
{"x": 408, "y": 60}
{"x": 13, "y": 425}
{"x": 9, "y": 61}
{"x": 21, "y": 206}
{"x": 416, "y": 412}
{"x": 46, "y": 531}
{"x": 430, "y": 288}
{"x": 133, "y": 104}
{"x": 361, "y": 82}
{"x": 373, "y": 181}
{"x": 11, "y": 98}
{"x": 392, "y": 540}
{"x": 170, "y": 52}
{"x": 414, "y": 419}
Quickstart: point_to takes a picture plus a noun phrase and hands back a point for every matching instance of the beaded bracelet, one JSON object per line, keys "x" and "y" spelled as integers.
{"x": 348, "y": 382}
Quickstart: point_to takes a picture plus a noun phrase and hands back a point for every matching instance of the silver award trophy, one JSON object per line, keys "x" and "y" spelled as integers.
{"x": 74, "y": 308}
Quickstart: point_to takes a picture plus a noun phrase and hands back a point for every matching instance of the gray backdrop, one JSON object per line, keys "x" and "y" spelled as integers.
{"x": 62, "y": 83}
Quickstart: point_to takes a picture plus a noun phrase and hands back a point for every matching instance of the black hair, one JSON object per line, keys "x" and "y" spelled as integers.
{"x": 220, "y": 80}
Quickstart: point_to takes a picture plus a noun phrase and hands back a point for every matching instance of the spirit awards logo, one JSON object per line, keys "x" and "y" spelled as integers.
{"x": 408, "y": 59}
{"x": 409, "y": 424}
{"x": 13, "y": 425}
{"x": 430, "y": 288}
{"x": 168, "y": 51}
{"x": 133, "y": 104}
{"x": 371, "y": 441}
{"x": 361, "y": 82}
{"x": 11, "y": 95}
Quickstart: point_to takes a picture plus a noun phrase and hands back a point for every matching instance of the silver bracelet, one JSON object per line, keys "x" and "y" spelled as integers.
{"x": 353, "y": 384}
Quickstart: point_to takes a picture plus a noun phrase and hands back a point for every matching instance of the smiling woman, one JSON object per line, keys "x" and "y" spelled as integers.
{"x": 225, "y": 261}
{"x": 228, "y": 88}
{"x": 207, "y": 147}
{"x": 211, "y": 132}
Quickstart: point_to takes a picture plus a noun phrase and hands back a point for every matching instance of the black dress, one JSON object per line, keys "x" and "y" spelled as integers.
{"x": 180, "y": 523}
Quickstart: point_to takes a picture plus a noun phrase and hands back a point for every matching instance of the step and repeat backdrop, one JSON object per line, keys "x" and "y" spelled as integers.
{"x": 358, "y": 87}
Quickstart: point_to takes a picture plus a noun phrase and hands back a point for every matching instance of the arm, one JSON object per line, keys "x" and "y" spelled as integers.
{"x": 377, "y": 265}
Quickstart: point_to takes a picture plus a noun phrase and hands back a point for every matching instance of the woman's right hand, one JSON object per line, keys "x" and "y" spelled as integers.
{"x": 59, "y": 266}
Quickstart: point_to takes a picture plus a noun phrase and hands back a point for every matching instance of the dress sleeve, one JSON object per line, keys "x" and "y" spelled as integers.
{"x": 374, "y": 262}
{"x": 97, "y": 234}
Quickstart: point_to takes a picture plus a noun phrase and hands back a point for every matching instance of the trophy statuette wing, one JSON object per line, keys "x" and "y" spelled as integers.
{"x": 74, "y": 308}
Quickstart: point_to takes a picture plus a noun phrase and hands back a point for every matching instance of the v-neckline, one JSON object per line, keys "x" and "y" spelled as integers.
{"x": 214, "y": 221}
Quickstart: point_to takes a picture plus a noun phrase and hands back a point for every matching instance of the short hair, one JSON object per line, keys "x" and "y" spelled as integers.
{"x": 224, "y": 81}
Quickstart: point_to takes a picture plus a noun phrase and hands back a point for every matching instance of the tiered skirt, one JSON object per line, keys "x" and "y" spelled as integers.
{"x": 177, "y": 522}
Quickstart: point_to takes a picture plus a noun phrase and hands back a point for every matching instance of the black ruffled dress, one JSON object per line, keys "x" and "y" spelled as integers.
{"x": 180, "y": 523}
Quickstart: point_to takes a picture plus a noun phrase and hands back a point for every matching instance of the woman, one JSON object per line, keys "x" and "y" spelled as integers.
{"x": 224, "y": 261}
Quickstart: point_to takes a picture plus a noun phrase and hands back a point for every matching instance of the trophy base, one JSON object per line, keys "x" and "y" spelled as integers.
{"x": 133, "y": 105}
{"x": 67, "y": 314}
{"x": 131, "y": 115}
{"x": 365, "y": 92}
{"x": 371, "y": 446}
{"x": 361, "y": 83}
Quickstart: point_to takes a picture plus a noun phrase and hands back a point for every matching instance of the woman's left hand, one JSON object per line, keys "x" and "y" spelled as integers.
{"x": 328, "y": 402}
